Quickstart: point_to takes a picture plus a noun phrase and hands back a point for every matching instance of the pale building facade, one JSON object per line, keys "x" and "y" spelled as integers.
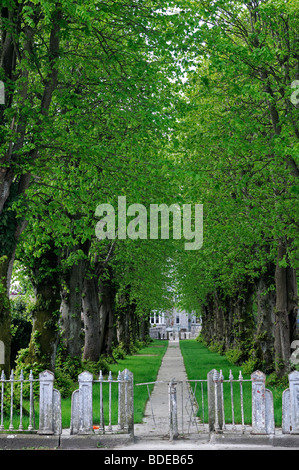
{"x": 174, "y": 323}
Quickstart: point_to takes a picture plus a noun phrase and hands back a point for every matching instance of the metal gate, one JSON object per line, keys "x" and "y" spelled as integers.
{"x": 178, "y": 415}
{"x": 198, "y": 406}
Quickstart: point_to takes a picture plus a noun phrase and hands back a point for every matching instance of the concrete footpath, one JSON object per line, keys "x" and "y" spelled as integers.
{"x": 156, "y": 419}
{"x": 153, "y": 433}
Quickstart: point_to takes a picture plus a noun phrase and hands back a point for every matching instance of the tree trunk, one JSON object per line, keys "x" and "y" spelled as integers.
{"x": 14, "y": 181}
{"x": 71, "y": 306}
{"x": 219, "y": 320}
{"x": 44, "y": 337}
{"x": 5, "y": 315}
{"x": 91, "y": 313}
{"x": 285, "y": 310}
{"x": 292, "y": 303}
{"x": 111, "y": 333}
{"x": 144, "y": 327}
{"x": 264, "y": 336}
{"x": 97, "y": 310}
{"x": 125, "y": 312}
{"x": 207, "y": 331}
{"x": 107, "y": 309}
{"x": 229, "y": 322}
{"x": 10, "y": 230}
{"x": 243, "y": 319}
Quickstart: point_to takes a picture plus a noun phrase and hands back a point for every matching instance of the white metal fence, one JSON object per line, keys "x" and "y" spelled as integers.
{"x": 12, "y": 399}
{"x": 85, "y": 402}
{"x": 215, "y": 405}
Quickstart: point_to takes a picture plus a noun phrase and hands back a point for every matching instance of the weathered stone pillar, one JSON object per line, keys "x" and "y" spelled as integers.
{"x": 85, "y": 403}
{"x": 262, "y": 405}
{"x": 81, "y": 413}
{"x": 290, "y": 406}
{"x": 74, "y": 428}
{"x": 49, "y": 405}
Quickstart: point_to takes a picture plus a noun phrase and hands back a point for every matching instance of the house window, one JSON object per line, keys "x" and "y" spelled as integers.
{"x": 177, "y": 319}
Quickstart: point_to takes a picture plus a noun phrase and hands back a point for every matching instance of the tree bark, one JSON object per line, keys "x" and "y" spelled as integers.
{"x": 107, "y": 299}
{"x": 264, "y": 335}
{"x": 44, "y": 337}
{"x": 207, "y": 331}
{"x": 71, "y": 305}
{"x": 91, "y": 314}
{"x": 5, "y": 315}
{"x": 125, "y": 314}
{"x": 144, "y": 327}
{"x": 285, "y": 310}
{"x": 12, "y": 183}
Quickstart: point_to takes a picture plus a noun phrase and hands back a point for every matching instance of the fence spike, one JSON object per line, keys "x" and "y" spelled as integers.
{"x": 242, "y": 401}
{"x": 231, "y": 378}
{"x": 110, "y": 401}
{"x": 21, "y": 401}
{"x": 2, "y": 400}
{"x": 31, "y": 404}
{"x": 11, "y": 400}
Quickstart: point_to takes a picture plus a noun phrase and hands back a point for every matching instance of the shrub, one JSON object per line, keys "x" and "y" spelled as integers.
{"x": 215, "y": 346}
{"x": 274, "y": 381}
{"x": 251, "y": 365}
{"x": 233, "y": 355}
{"x": 119, "y": 352}
{"x": 67, "y": 370}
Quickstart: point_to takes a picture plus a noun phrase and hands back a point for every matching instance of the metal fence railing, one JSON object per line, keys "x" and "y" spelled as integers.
{"x": 16, "y": 398}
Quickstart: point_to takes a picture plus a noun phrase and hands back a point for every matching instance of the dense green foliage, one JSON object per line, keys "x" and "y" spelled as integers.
{"x": 240, "y": 137}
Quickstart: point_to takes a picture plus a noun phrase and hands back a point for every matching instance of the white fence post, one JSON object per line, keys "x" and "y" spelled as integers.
{"x": 262, "y": 405}
{"x": 85, "y": 403}
{"x": 82, "y": 408}
{"x": 290, "y": 405}
{"x": 49, "y": 405}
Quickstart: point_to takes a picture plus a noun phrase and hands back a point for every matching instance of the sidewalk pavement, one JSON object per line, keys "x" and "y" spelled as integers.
{"x": 156, "y": 419}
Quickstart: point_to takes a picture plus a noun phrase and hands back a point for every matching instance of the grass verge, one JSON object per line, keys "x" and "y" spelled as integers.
{"x": 144, "y": 365}
{"x": 199, "y": 361}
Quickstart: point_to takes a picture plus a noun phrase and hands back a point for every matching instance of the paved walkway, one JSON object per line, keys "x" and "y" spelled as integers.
{"x": 156, "y": 420}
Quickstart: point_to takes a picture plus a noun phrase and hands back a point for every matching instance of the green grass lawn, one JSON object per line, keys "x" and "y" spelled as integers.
{"x": 144, "y": 365}
{"x": 199, "y": 361}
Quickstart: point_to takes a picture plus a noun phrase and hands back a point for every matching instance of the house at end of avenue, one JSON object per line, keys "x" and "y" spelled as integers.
{"x": 174, "y": 324}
